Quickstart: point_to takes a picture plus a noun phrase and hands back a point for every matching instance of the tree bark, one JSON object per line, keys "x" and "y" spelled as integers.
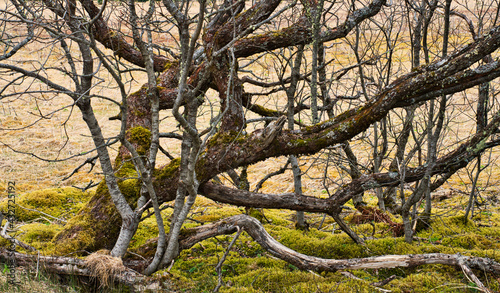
{"x": 231, "y": 150}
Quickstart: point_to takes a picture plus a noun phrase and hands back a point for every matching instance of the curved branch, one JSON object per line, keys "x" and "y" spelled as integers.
{"x": 447, "y": 164}
{"x": 229, "y": 151}
{"x": 300, "y": 33}
{"x": 114, "y": 41}
{"x": 446, "y": 76}
{"x": 290, "y": 201}
{"x": 266, "y": 112}
{"x": 255, "y": 229}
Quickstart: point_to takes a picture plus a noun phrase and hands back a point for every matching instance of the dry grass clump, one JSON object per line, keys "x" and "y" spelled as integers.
{"x": 373, "y": 214}
{"x": 104, "y": 267}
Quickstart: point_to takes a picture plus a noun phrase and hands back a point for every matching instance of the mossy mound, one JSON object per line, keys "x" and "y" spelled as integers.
{"x": 60, "y": 203}
{"x": 39, "y": 235}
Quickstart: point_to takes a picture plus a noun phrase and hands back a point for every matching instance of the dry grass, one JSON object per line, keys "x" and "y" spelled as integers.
{"x": 33, "y": 282}
{"x": 24, "y": 129}
{"x": 104, "y": 267}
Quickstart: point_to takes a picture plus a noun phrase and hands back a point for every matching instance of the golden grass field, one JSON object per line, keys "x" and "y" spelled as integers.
{"x": 23, "y": 127}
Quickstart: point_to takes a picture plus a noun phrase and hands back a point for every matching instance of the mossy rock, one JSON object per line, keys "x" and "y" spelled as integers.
{"x": 57, "y": 202}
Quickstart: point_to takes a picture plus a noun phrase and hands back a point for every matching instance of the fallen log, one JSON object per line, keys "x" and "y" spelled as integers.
{"x": 230, "y": 225}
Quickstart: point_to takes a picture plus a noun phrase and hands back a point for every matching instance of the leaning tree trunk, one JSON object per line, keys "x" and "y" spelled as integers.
{"x": 93, "y": 227}
{"x": 97, "y": 225}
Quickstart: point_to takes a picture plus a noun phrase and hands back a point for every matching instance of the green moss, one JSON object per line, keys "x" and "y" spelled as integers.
{"x": 57, "y": 202}
{"x": 131, "y": 189}
{"x": 140, "y": 243}
{"x": 217, "y": 214}
{"x": 141, "y": 137}
{"x": 263, "y": 111}
{"x": 318, "y": 243}
{"x": 276, "y": 278}
{"x": 435, "y": 281}
{"x": 299, "y": 142}
{"x": 169, "y": 64}
{"x": 79, "y": 234}
{"x": 469, "y": 241}
{"x": 490, "y": 231}
{"x": 258, "y": 214}
{"x": 38, "y": 232}
{"x": 126, "y": 170}
{"x": 248, "y": 269}
{"x": 225, "y": 138}
{"x": 39, "y": 235}
{"x": 391, "y": 245}
{"x": 139, "y": 114}
{"x": 448, "y": 226}
{"x": 98, "y": 227}
{"x": 4, "y": 242}
{"x": 168, "y": 171}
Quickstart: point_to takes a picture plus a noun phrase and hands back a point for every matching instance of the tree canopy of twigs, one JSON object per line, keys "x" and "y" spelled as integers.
{"x": 390, "y": 98}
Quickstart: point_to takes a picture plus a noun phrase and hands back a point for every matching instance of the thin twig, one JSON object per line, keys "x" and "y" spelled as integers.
{"x": 4, "y": 234}
{"x": 470, "y": 275}
{"x": 40, "y": 212}
{"x": 280, "y": 171}
{"x": 218, "y": 268}
{"x": 351, "y": 276}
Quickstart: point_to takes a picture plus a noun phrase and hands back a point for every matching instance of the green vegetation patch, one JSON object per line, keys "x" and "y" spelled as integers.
{"x": 140, "y": 136}
{"x": 249, "y": 268}
{"x": 81, "y": 232}
{"x": 57, "y": 202}
{"x": 39, "y": 235}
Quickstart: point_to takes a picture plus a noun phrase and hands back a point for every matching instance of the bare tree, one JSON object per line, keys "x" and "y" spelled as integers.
{"x": 225, "y": 47}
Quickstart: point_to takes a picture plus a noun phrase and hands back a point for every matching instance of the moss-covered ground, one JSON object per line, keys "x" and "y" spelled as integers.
{"x": 249, "y": 268}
